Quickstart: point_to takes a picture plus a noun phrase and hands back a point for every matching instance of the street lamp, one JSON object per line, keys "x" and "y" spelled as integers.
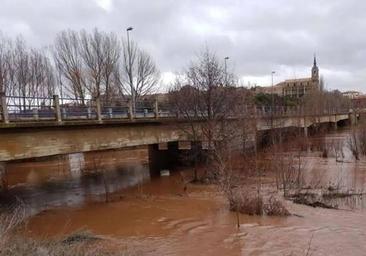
{"x": 273, "y": 72}
{"x": 128, "y": 30}
{"x": 133, "y": 103}
{"x": 226, "y": 59}
{"x": 272, "y": 103}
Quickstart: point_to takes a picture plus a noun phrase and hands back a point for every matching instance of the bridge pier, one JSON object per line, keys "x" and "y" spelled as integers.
{"x": 306, "y": 131}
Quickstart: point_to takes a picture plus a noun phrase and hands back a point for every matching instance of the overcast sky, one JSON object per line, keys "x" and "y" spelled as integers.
{"x": 258, "y": 35}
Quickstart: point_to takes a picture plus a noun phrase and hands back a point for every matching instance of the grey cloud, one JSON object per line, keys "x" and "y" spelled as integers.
{"x": 259, "y": 36}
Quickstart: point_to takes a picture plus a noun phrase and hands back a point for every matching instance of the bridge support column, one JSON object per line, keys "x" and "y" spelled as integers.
{"x": 56, "y": 105}
{"x": 306, "y": 132}
{"x": 4, "y": 108}
{"x": 335, "y": 125}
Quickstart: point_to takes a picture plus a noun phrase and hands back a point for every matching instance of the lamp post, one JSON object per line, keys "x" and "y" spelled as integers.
{"x": 130, "y": 78}
{"x": 272, "y": 87}
{"x": 226, "y": 59}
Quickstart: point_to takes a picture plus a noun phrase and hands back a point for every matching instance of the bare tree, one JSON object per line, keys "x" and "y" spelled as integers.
{"x": 323, "y": 101}
{"x": 5, "y": 58}
{"x": 69, "y": 63}
{"x": 112, "y": 52}
{"x": 138, "y": 75}
{"x": 203, "y": 98}
{"x": 92, "y": 55}
{"x": 20, "y": 72}
{"x": 42, "y": 79}
{"x": 100, "y": 53}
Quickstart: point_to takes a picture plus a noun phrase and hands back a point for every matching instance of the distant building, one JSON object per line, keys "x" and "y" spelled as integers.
{"x": 351, "y": 94}
{"x": 359, "y": 102}
{"x": 295, "y": 87}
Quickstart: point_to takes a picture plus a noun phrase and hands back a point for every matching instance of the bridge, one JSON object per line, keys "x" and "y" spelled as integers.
{"x": 40, "y": 127}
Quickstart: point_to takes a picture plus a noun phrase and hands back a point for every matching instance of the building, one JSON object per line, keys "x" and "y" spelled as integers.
{"x": 359, "y": 102}
{"x": 351, "y": 94}
{"x": 295, "y": 87}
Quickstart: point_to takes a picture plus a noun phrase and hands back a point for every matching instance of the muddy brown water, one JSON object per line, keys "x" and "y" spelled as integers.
{"x": 159, "y": 218}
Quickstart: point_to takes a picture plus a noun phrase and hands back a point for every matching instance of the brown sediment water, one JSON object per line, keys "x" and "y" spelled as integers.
{"x": 159, "y": 218}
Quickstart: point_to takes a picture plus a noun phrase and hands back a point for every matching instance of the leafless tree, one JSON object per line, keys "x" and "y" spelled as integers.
{"x": 112, "y": 52}
{"x": 323, "y": 101}
{"x": 208, "y": 104}
{"x": 138, "y": 75}
{"x": 42, "y": 77}
{"x": 29, "y": 75}
{"x": 5, "y": 58}
{"x": 69, "y": 63}
{"x": 100, "y": 53}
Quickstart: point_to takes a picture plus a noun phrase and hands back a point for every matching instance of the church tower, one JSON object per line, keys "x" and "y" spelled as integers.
{"x": 315, "y": 72}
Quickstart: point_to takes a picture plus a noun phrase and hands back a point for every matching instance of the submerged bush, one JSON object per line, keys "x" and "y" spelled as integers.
{"x": 274, "y": 207}
{"x": 254, "y": 204}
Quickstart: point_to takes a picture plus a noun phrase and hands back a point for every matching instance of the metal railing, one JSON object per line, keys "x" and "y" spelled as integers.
{"x": 23, "y": 109}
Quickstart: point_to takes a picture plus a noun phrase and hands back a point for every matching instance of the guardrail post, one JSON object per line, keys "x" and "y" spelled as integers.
{"x": 89, "y": 113}
{"x": 4, "y": 108}
{"x": 56, "y": 105}
{"x": 64, "y": 113}
{"x": 99, "y": 109}
{"x": 35, "y": 113}
{"x": 110, "y": 112}
{"x": 130, "y": 112}
{"x": 156, "y": 109}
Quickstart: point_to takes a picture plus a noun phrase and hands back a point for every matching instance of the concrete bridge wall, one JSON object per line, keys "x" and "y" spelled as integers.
{"x": 30, "y": 141}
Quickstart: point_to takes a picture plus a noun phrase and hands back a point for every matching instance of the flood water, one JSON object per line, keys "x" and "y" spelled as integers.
{"x": 160, "y": 218}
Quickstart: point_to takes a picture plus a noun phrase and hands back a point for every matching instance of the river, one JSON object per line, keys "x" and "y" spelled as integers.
{"x": 158, "y": 217}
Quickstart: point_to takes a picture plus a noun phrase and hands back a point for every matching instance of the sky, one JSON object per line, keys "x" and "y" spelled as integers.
{"x": 259, "y": 36}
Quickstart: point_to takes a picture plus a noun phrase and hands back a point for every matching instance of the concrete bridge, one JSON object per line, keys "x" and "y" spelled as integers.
{"x": 32, "y": 128}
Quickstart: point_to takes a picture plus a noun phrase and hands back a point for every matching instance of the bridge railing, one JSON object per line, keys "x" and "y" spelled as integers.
{"x": 77, "y": 109}
{"x": 19, "y": 109}
{"x": 28, "y": 108}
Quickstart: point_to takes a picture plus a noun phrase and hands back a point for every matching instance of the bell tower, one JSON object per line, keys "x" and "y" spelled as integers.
{"x": 315, "y": 72}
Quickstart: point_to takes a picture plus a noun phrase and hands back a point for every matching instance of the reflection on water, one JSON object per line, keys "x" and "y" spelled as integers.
{"x": 337, "y": 171}
{"x": 74, "y": 179}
